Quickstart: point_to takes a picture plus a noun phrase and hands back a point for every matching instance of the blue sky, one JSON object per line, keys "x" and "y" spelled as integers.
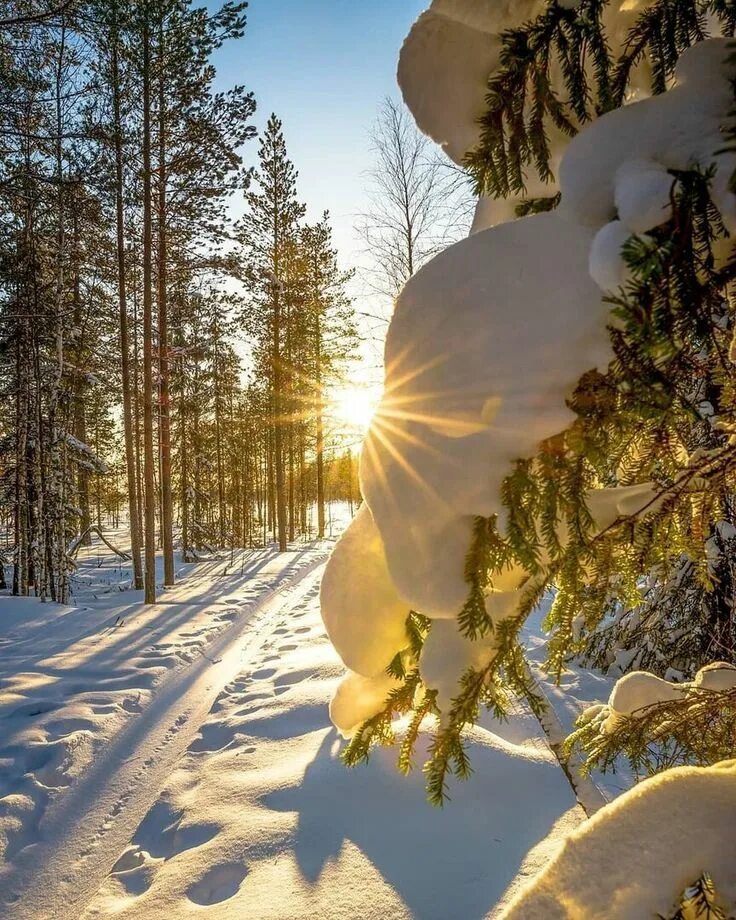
{"x": 323, "y": 66}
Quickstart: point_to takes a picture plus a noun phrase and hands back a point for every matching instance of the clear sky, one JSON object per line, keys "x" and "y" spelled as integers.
{"x": 323, "y": 67}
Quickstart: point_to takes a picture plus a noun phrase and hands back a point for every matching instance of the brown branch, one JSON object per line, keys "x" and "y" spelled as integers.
{"x": 31, "y": 18}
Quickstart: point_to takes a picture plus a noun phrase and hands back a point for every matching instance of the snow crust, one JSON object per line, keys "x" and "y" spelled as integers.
{"x": 636, "y": 856}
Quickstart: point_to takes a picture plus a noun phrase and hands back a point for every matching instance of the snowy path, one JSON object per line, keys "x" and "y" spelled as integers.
{"x": 117, "y": 705}
{"x": 185, "y": 759}
{"x": 260, "y": 819}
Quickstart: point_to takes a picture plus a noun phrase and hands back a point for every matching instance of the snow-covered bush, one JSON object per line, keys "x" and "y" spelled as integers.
{"x": 542, "y": 417}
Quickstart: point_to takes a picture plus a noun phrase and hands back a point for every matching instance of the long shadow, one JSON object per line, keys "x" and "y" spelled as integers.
{"x": 107, "y": 646}
{"x": 86, "y": 623}
{"x": 443, "y": 863}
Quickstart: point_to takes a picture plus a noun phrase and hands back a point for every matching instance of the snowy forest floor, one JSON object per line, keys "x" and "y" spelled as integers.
{"x": 159, "y": 759}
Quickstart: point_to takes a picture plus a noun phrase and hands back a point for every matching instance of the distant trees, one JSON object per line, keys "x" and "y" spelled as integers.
{"x": 414, "y": 196}
{"x": 295, "y": 290}
{"x": 118, "y": 297}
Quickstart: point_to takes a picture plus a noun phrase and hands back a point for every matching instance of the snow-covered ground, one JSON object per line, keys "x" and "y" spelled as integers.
{"x": 155, "y": 760}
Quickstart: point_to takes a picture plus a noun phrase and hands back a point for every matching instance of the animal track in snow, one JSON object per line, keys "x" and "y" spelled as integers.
{"x": 213, "y": 737}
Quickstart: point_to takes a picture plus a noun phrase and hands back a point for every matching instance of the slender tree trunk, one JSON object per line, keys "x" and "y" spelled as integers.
{"x": 148, "y": 453}
{"x": 80, "y": 389}
{"x": 130, "y": 458}
{"x": 319, "y": 421}
{"x": 221, "y": 510}
{"x": 167, "y": 502}
{"x": 278, "y": 447}
{"x": 184, "y": 463}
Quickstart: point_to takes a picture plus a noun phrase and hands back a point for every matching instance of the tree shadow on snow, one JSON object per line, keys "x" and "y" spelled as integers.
{"x": 450, "y": 862}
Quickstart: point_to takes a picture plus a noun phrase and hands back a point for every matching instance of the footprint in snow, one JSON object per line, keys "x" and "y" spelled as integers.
{"x": 264, "y": 673}
{"x": 217, "y": 884}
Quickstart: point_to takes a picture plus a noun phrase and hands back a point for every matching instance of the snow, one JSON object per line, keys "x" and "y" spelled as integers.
{"x": 718, "y": 676}
{"x": 364, "y": 616}
{"x": 636, "y": 857}
{"x": 677, "y": 130}
{"x": 455, "y": 411}
{"x": 607, "y": 265}
{"x": 94, "y": 698}
{"x": 635, "y": 692}
{"x": 642, "y": 194}
{"x": 446, "y": 655}
{"x": 359, "y": 698}
{"x": 446, "y": 61}
{"x": 161, "y": 760}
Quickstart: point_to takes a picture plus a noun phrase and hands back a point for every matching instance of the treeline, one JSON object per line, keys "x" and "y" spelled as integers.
{"x": 131, "y": 301}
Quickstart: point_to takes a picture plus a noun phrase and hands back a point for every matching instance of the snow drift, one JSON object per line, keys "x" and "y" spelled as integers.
{"x": 636, "y": 857}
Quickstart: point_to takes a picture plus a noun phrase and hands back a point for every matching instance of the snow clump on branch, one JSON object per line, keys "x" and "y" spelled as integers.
{"x": 486, "y": 344}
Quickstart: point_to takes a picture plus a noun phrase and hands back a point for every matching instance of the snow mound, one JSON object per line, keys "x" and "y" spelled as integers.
{"x": 446, "y": 656}
{"x": 632, "y": 859}
{"x": 719, "y": 676}
{"x": 455, "y": 412}
{"x": 358, "y": 699}
{"x": 607, "y": 265}
{"x": 643, "y": 194}
{"x": 445, "y": 63}
{"x": 677, "y": 130}
{"x": 447, "y": 59}
{"x": 635, "y": 693}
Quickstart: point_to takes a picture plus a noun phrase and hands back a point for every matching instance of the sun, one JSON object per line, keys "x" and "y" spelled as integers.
{"x": 353, "y": 407}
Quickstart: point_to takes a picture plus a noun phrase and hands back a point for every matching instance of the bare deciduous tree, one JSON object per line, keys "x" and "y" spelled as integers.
{"x": 417, "y": 205}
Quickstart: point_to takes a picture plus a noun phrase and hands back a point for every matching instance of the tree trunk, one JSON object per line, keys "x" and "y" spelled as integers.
{"x": 278, "y": 449}
{"x": 148, "y": 453}
{"x": 130, "y": 458}
{"x": 167, "y": 503}
{"x": 320, "y": 431}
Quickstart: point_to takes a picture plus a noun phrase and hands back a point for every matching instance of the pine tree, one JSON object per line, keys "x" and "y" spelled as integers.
{"x": 266, "y": 232}
{"x": 660, "y": 415}
{"x": 332, "y": 333}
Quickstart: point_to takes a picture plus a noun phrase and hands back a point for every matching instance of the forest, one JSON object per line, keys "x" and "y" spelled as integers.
{"x": 368, "y": 459}
{"x": 164, "y": 361}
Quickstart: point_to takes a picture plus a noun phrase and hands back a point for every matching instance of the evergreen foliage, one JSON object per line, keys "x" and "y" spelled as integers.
{"x": 699, "y": 902}
{"x": 651, "y": 588}
{"x": 558, "y": 71}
